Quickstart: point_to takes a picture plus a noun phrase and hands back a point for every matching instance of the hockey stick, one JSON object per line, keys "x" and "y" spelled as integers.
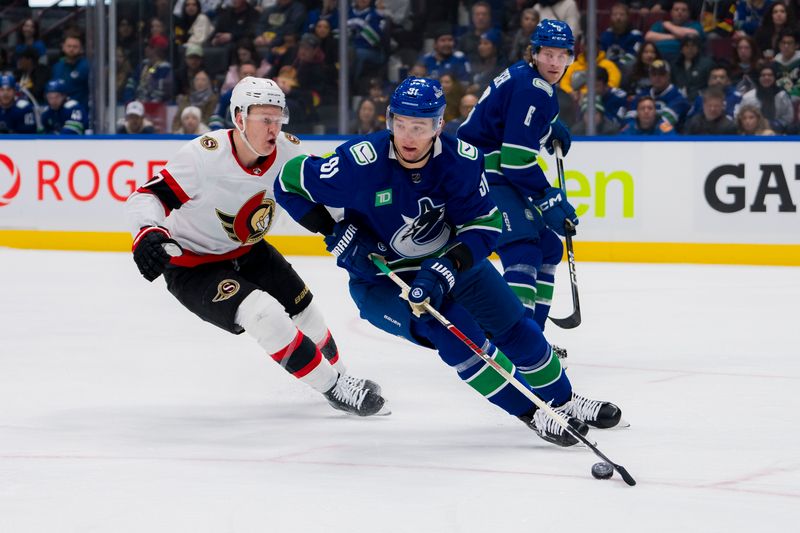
{"x": 573, "y": 320}
{"x": 528, "y": 393}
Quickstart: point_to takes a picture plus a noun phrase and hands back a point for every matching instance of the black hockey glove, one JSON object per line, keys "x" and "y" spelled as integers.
{"x": 435, "y": 279}
{"x": 352, "y": 247}
{"x": 152, "y": 249}
{"x": 559, "y": 132}
{"x": 556, "y": 210}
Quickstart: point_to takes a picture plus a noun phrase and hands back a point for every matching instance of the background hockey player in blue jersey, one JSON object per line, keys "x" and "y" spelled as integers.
{"x": 515, "y": 116}
{"x": 16, "y": 114}
{"x": 63, "y": 115}
{"x": 421, "y": 200}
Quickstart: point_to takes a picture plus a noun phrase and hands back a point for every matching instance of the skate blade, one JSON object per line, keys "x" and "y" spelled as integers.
{"x": 385, "y": 411}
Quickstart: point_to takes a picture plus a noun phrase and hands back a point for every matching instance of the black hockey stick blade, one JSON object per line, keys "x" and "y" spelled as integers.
{"x": 626, "y": 477}
{"x": 568, "y": 322}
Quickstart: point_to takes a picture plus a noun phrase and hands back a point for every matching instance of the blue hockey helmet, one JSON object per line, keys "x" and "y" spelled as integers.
{"x": 55, "y": 86}
{"x": 553, "y": 33}
{"x": 420, "y": 98}
{"x": 9, "y": 81}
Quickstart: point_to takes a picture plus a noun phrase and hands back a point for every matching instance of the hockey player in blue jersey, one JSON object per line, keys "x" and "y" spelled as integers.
{"x": 420, "y": 199}
{"x": 515, "y": 116}
{"x": 63, "y": 115}
{"x": 16, "y": 114}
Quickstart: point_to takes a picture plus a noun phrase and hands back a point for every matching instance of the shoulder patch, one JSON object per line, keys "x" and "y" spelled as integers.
{"x": 209, "y": 143}
{"x": 22, "y": 104}
{"x": 69, "y": 104}
{"x": 364, "y": 153}
{"x": 291, "y": 138}
{"x": 543, "y": 85}
{"x": 502, "y": 78}
{"x": 467, "y": 150}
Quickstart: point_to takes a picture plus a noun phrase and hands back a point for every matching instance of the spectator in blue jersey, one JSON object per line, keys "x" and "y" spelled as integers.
{"x": 621, "y": 41}
{"x": 445, "y": 58}
{"x": 748, "y": 16}
{"x": 666, "y": 35}
{"x": 480, "y": 24}
{"x": 690, "y": 69}
{"x": 646, "y": 120}
{"x": 613, "y": 99}
{"x": 73, "y": 68}
{"x": 155, "y": 77}
{"x": 719, "y": 78}
{"x": 672, "y": 104}
{"x": 16, "y": 115}
{"x": 135, "y": 122}
{"x": 420, "y": 200}
{"x": 712, "y": 119}
{"x": 518, "y": 116}
{"x": 366, "y": 28}
{"x": 62, "y": 116}
{"x": 284, "y": 18}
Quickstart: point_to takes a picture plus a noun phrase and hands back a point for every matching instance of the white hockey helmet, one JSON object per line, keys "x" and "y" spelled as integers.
{"x": 257, "y": 91}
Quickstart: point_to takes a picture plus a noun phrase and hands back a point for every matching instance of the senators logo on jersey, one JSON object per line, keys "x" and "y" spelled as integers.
{"x": 252, "y": 220}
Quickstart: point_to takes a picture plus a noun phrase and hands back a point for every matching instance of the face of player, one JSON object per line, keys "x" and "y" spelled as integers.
{"x": 6, "y": 96}
{"x": 264, "y": 123}
{"x": 412, "y": 136}
{"x": 646, "y": 113}
{"x": 55, "y": 100}
{"x": 551, "y": 63}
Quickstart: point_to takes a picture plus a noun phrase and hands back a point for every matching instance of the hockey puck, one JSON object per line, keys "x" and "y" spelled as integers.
{"x": 602, "y": 471}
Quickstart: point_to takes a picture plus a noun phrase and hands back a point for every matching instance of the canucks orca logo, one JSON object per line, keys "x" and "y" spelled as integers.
{"x": 424, "y": 234}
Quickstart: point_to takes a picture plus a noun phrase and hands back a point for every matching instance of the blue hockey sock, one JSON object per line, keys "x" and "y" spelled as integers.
{"x": 492, "y": 385}
{"x": 544, "y": 294}
{"x": 548, "y": 379}
{"x": 522, "y": 280}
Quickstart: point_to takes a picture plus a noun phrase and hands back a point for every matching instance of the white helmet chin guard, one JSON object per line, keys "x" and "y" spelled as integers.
{"x": 257, "y": 91}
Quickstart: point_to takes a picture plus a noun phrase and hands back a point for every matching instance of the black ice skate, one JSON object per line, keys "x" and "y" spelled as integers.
{"x": 550, "y": 430}
{"x": 602, "y": 415}
{"x": 361, "y": 383}
{"x": 353, "y": 396}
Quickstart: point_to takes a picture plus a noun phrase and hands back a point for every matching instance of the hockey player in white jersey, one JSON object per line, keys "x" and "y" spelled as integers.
{"x": 201, "y": 221}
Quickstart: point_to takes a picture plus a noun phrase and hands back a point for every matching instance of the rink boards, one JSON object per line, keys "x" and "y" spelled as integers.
{"x": 706, "y": 201}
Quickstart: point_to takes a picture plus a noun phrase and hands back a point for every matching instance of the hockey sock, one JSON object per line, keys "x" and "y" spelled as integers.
{"x": 302, "y": 359}
{"x": 548, "y": 379}
{"x": 544, "y": 294}
{"x": 522, "y": 280}
{"x": 491, "y": 384}
{"x": 311, "y": 322}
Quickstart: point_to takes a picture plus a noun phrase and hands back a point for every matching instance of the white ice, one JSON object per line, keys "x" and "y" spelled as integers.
{"x": 122, "y": 412}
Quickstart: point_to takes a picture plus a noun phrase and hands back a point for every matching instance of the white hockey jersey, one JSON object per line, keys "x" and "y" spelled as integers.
{"x": 212, "y": 206}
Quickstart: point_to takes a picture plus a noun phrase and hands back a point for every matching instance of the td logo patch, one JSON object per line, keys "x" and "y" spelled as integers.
{"x": 226, "y": 289}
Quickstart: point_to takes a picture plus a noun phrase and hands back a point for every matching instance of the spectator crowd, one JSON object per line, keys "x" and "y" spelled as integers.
{"x": 671, "y": 67}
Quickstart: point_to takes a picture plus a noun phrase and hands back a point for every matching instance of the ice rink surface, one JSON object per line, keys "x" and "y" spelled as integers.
{"x": 122, "y": 412}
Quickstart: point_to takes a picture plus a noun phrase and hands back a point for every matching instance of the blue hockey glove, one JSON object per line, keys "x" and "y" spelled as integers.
{"x": 351, "y": 246}
{"x": 436, "y": 277}
{"x": 556, "y": 210}
{"x": 559, "y": 133}
{"x": 152, "y": 249}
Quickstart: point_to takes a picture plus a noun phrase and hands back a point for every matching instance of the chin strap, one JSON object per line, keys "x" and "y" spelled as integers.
{"x": 246, "y": 142}
{"x": 398, "y": 154}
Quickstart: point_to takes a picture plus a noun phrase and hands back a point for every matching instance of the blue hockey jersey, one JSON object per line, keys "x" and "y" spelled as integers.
{"x": 510, "y": 123}
{"x": 69, "y": 119}
{"x": 417, "y": 213}
{"x": 19, "y": 117}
